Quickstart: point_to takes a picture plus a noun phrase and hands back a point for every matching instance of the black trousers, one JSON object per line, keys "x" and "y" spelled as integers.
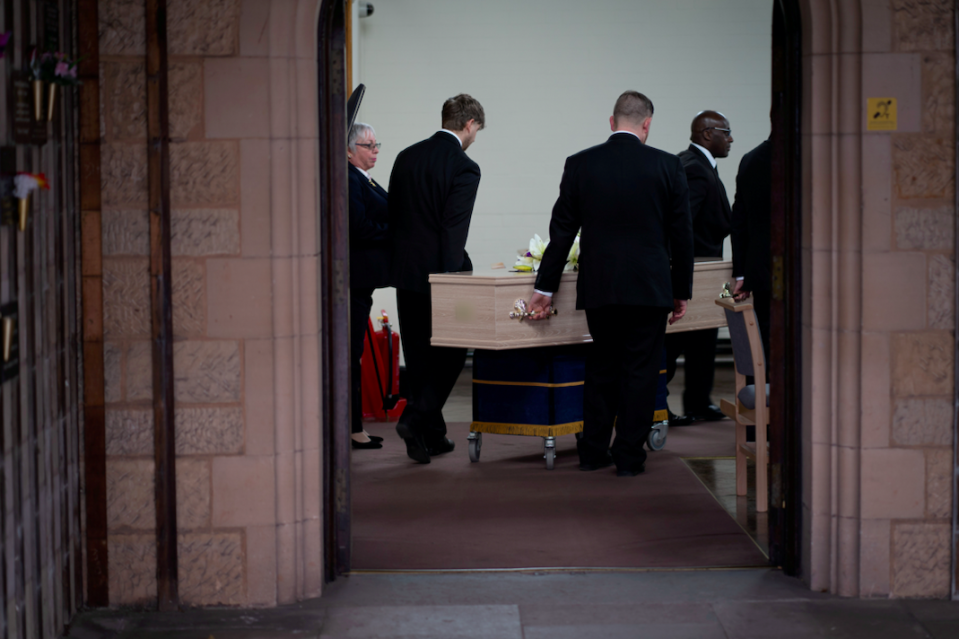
{"x": 699, "y": 347}
{"x": 431, "y": 371}
{"x": 622, "y": 373}
{"x": 361, "y": 301}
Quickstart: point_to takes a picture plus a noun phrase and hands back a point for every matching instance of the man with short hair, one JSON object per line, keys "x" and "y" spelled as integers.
{"x": 432, "y": 190}
{"x": 635, "y": 265}
{"x": 710, "y": 138}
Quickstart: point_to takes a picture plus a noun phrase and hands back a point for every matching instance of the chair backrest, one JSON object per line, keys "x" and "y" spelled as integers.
{"x": 739, "y": 336}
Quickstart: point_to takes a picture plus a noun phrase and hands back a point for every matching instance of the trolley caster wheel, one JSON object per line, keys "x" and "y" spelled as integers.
{"x": 549, "y": 446}
{"x": 475, "y": 444}
{"x": 656, "y": 439}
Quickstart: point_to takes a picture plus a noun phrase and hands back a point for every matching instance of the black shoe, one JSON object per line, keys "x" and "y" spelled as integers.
{"x": 709, "y": 414}
{"x": 416, "y": 449}
{"x": 590, "y": 466}
{"x": 631, "y": 472}
{"x": 374, "y": 438}
{"x": 444, "y": 446}
{"x": 368, "y": 445}
{"x": 680, "y": 420}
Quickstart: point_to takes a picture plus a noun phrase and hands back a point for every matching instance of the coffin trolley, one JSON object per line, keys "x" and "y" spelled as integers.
{"x": 541, "y": 381}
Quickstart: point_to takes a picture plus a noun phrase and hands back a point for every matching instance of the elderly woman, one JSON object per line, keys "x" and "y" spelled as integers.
{"x": 369, "y": 258}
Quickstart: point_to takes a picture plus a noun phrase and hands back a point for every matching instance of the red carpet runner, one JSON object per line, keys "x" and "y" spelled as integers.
{"x": 508, "y": 511}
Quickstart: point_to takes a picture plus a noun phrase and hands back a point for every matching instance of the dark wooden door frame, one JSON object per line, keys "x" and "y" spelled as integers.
{"x": 785, "y": 523}
{"x": 785, "y": 376}
{"x": 334, "y": 286}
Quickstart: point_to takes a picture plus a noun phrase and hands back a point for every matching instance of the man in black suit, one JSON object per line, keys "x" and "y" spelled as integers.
{"x": 750, "y": 234}
{"x": 432, "y": 190}
{"x": 711, "y": 138}
{"x": 635, "y": 265}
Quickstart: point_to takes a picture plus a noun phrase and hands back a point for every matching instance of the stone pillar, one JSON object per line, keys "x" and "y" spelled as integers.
{"x": 879, "y": 256}
{"x": 243, "y": 173}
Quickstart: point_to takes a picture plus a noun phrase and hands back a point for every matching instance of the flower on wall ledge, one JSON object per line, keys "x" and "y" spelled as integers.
{"x": 26, "y": 183}
{"x": 531, "y": 259}
{"x": 53, "y": 68}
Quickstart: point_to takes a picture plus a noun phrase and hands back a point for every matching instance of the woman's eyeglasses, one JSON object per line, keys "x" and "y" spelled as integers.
{"x": 370, "y": 145}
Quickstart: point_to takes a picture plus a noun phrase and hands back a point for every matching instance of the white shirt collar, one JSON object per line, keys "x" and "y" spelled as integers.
{"x": 709, "y": 156}
{"x": 361, "y": 171}
{"x": 630, "y": 132}
{"x": 454, "y": 135}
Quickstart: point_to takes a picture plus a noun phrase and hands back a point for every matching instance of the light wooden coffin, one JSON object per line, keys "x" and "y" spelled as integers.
{"x": 472, "y": 310}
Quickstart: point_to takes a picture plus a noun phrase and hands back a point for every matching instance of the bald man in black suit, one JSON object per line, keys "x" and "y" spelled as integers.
{"x": 635, "y": 266}
{"x": 711, "y": 138}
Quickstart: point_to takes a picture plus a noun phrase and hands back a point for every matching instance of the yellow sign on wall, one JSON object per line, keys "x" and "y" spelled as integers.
{"x": 881, "y": 114}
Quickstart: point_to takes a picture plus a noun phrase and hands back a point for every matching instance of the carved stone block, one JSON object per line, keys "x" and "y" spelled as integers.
{"x": 920, "y": 229}
{"x": 204, "y": 174}
{"x": 925, "y": 421}
{"x": 942, "y": 292}
{"x": 138, "y": 373}
{"x": 192, "y": 494}
{"x": 211, "y": 568}
{"x": 939, "y": 483}
{"x": 938, "y": 94}
{"x": 203, "y": 28}
{"x": 122, "y": 27}
{"x": 112, "y": 372}
{"x": 129, "y": 432}
{"x": 923, "y": 165}
{"x": 922, "y": 363}
{"x": 132, "y": 566}
{"x": 126, "y": 232}
{"x": 126, "y": 298}
{"x": 130, "y": 496}
{"x": 124, "y": 100}
{"x": 123, "y": 175}
{"x": 186, "y": 100}
{"x": 203, "y": 232}
{"x": 922, "y": 25}
{"x": 189, "y": 307}
{"x": 920, "y": 559}
{"x": 207, "y": 372}
{"x": 209, "y": 431}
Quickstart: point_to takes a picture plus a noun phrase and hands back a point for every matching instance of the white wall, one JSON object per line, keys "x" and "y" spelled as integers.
{"x": 547, "y": 73}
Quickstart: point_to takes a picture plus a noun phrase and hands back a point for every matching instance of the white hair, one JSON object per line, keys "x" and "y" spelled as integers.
{"x": 359, "y": 130}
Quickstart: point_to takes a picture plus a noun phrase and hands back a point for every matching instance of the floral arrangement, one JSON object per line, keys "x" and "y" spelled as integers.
{"x": 4, "y": 39}
{"x": 54, "y": 68}
{"x": 26, "y": 183}
{"x": 530, "y": 260}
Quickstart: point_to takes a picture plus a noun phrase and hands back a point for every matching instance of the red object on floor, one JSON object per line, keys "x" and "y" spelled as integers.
{"x": 376, "y": 366}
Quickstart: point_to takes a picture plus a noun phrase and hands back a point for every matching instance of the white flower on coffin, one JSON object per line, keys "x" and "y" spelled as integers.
{"x": 572, "y": 261}
{"x": 531, "y": 260}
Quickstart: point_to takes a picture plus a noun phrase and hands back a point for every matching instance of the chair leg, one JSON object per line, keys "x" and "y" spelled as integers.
{"x": 762, "y": 467}
{"x": 741, "y": 463}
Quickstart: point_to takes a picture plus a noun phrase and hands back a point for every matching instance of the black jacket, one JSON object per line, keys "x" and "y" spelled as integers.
{"x": 432, "y": 190}
{"x": 369, "y": 234}
{"x": 751, "y": 218}
{"x": 631, "y": 202}
{"x": 708, "y": 204}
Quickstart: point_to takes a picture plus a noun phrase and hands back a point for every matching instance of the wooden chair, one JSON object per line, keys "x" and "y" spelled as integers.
{"x": 752, "y": 401}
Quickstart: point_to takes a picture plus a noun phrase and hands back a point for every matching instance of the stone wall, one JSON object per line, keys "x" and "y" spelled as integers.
{"x": 881, "y": 275}
{"x": 245, "y": 421}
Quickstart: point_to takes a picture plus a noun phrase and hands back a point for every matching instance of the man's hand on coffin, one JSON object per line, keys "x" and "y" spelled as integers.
{"x": 739, "y": 293}
{"x": 679, "y": 310}
{"x": 539, "y": 307}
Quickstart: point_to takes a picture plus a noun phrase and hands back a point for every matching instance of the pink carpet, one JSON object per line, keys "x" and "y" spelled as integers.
{"x": 508, "y": 511}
